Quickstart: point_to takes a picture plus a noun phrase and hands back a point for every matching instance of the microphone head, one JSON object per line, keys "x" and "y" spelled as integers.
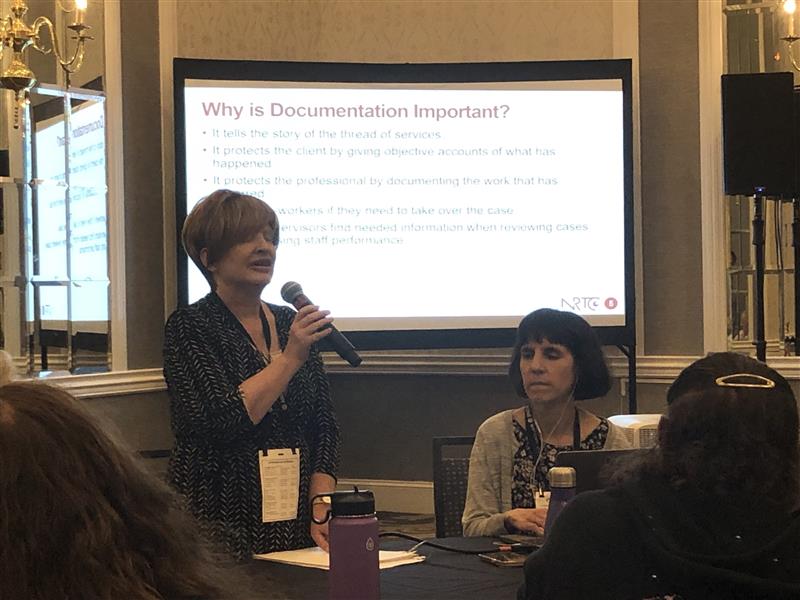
{"x": 290, "y": 291}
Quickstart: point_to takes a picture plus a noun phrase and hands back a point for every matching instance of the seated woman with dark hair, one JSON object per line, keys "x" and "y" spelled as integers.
{"x": 711, "y": 512}
{"x": 557, "y": 361}
{"x": 80, "y": 518}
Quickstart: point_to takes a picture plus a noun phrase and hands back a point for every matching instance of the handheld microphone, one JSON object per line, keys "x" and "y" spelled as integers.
{"x": 292, "y": 293}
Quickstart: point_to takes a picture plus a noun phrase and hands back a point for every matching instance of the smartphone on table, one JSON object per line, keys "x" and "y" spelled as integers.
{"x": 534, "y": 541}
{"x": 504, "y": 559}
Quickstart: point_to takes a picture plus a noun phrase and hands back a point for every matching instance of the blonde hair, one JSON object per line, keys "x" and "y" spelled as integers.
{"x": 223, "y": 219}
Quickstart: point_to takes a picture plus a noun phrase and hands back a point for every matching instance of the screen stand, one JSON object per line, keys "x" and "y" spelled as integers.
{"x": 758, "y": 241}
{"x": 796, "y": 246}
{"x": 629, "y": 350}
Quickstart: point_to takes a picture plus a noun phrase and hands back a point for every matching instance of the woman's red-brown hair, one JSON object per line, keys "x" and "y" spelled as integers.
{"x": 80, "y": 518}
{"x": 223, "y": 219}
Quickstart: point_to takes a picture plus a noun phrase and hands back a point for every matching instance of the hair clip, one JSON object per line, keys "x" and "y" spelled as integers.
{"x": 726, "y": 381}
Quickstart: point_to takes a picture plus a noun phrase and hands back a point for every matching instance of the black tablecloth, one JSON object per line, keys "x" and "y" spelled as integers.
{"x": 443, "y": 575}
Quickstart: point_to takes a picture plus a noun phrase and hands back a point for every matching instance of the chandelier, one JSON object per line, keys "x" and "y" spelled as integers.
{"x": 16, "y": 36}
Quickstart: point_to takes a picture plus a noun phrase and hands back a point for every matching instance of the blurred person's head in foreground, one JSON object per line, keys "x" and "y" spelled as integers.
{"x": 81, "y": 518}
{"x": 731, "y": 428}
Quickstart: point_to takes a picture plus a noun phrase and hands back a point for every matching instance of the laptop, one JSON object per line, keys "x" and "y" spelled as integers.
{"x": 594, "y": 467}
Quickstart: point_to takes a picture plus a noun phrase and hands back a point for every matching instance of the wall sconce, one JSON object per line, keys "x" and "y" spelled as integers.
{"x": 789, "y": 7}
{"x": 17, "y": 36}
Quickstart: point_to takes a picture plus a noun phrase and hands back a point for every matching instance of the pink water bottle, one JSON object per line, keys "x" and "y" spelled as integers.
{"x": 353, "y": 538}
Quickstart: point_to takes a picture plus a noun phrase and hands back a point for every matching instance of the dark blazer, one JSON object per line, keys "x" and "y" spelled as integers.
{"x": 207, "y": 354}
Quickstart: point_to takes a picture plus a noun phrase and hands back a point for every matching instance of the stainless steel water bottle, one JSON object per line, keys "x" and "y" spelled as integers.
{"x": 562, "y": 490}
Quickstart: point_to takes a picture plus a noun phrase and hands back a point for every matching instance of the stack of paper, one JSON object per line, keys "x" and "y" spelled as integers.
{"x": 317, "y": 558}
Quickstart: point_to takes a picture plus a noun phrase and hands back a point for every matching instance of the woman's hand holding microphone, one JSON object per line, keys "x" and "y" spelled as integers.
{"x": 307, "y": 328}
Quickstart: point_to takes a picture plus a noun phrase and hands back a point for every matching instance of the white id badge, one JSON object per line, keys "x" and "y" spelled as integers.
{"x": 280, "y": 484}
{"x": 543, "y": 500}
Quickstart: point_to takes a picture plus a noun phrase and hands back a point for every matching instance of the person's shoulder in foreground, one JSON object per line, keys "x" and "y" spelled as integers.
{"x": 641, "y": 542}
{"x": 591, "y": 540}
{"x": 709, "y": 513}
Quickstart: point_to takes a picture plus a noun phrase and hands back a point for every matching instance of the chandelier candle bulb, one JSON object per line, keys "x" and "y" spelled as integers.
{"x": 80, "y": 7}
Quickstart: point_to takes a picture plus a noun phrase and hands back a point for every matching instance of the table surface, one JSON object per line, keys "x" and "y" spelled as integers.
{"x": 443, "y": 575}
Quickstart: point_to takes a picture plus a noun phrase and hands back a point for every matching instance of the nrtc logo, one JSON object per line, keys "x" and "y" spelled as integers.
{"x": 581, "y": 303}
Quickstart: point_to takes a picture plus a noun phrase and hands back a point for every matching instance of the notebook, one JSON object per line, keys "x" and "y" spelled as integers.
{"x": 317, "y": 558}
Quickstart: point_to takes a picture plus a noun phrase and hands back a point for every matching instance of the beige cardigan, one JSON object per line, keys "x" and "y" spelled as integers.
{"x": 490, "y": 471}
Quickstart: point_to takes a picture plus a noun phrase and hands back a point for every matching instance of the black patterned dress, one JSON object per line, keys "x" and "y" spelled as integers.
{"x": 207, "y": 354}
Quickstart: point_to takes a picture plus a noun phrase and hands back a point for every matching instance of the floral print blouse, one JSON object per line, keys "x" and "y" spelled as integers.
{"x": 524, "y": 481}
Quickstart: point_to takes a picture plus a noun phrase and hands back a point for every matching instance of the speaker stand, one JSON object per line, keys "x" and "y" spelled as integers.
{"x": 758, "y": 241}
{"x": 796, "y": 246}
{"x": 629, "y": 350}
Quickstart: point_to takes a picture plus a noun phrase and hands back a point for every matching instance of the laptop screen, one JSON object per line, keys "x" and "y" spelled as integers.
{"x": 594, "y": 467}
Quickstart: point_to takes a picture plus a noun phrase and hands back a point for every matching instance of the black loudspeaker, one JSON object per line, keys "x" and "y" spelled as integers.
{"x": 759, "y": 134}
{"x": 796, "y": 98}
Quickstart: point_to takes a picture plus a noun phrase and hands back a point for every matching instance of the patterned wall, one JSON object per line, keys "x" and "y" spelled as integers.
{"x": 395, "y": 31}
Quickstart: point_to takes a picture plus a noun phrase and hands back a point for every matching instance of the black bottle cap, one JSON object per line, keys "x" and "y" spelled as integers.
{"x": 352, "y": 504}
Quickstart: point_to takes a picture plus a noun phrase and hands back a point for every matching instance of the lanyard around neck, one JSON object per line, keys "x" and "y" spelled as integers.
{"x": 536, "y": 439}
{"x": 266, "y": 329}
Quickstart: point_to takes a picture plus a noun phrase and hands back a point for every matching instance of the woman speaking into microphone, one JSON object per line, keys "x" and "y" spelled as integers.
{"x": 255, "y": 433}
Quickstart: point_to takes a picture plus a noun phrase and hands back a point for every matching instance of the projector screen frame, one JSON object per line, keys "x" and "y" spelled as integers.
{"x": 425, "y": 339}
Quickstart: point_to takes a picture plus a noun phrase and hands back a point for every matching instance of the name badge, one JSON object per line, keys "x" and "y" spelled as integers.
{"x": 280, "y": 484}
{"x": 543, "y": 500}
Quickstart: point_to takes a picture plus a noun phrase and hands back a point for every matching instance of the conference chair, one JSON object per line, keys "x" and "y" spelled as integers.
{"x": 450, "y": 470}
